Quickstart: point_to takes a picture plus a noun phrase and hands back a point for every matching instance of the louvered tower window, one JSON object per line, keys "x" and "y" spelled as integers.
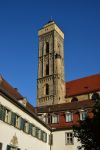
{"x": 47, "y": 47}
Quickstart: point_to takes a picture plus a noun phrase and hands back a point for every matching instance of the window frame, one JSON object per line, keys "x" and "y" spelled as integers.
{"x": 69, "y": 139}
{"x": 69, "y": 116}
{"x": 54, "y": 118}
{"x": 7, "y": 117}
{"x": 83, "y": 115}
{"x": 34, "y": 130}
{"x": 10, "y": 147}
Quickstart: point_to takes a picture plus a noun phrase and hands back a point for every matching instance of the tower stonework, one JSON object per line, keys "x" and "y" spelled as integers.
{"x": 50, "y": 82}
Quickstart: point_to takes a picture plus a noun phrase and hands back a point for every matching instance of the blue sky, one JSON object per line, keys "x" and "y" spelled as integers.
{"x": 19, "y": 24}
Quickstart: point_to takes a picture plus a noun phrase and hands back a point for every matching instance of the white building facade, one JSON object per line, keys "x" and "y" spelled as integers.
{"x": 19, "y": 128}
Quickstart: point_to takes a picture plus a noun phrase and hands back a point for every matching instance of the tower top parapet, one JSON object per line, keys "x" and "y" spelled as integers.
{"x": 50, "y": 26}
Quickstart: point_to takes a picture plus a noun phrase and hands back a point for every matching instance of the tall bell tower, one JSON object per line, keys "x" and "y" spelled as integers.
{"x": 50, "y": 82}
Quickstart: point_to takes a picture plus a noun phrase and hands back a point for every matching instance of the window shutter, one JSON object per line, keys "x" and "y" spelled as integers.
{"x": 10, "y": 117}
{"x": 8, "y": 147}
{"x": 1, "y": 112}
{"x": 40, "y": 134}
{"x": 45, "y": 137}
{"x": 34, "y": 131}
{"x": 22, "y": 124}
{"x": 50, "y": 139}
{"x": 3, "y": 115}
{"x": 30, "y": 128}
{"x": 37, "y": 132}
{"x": 13, "y": 119}
{"x": 0, "y": 146}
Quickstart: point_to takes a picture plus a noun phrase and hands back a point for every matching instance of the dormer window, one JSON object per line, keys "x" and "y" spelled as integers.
{"x": 83, "y": 115}
{"x": 68, "y": 116}
{"x": 54, "y": 118}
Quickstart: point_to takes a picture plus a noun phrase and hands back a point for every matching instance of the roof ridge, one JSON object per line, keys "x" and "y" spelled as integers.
{"x": 8, "y": 87}
{"x": 98, "y": 74}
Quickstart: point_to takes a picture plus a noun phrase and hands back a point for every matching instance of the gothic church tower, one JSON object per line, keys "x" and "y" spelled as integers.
{"x": 50, "y": 82}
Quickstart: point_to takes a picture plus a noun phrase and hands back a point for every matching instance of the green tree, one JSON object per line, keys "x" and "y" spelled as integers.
{"x": 88, "y": 131}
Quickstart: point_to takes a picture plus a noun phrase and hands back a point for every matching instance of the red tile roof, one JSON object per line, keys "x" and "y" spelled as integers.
{"x": 30, "y": 107}
{"x": 60, "y": 110}
{"x": 8, "y": 88}
{"x": 83, "y": 85}
{"x": 66, "y": 106}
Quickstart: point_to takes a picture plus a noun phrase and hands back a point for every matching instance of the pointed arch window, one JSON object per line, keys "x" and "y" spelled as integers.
{"x": 46, "y": 89}
{"x": 47, "y": 69}
{"x": 47, "y": 47}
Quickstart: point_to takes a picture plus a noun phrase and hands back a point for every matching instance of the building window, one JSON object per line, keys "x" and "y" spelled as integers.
{"x": 69, "y": 116}
{"x": 48, "y": 119}
{"x": 47, "y": 69}
{"x": 17, "y": 125}
{"x": 0, "y": 146}
{"x": 83, "y": 115}
{"x": 22, "y": 124}
{"x": 69, "y": 139}
{"x": 26, "y": 127}
{"x": 45, "y": 119}
{"x": 34, "y": 131}
{"x": 46, "y": 89}
{"x": 44, "y": 137}
{"x": 47, "y": 47}
{"x": 54, "y": 118}
{"x": 10, "y": 147}
{"x": 7, "y": 116}
{"x": 39, "y": 134}
{"x": 13, "y": 119}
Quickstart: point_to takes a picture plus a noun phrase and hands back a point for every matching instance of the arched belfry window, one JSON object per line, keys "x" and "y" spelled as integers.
{"x": 47, "y": 89}
{"x": 47, "y": 69}
{"x": 47, "y": 47}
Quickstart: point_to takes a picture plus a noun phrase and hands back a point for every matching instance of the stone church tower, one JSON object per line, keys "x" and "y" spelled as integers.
{"x": 50, "y": 82}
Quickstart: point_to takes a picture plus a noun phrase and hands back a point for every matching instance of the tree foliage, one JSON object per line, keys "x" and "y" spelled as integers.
{"x": 88, "y": 131}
